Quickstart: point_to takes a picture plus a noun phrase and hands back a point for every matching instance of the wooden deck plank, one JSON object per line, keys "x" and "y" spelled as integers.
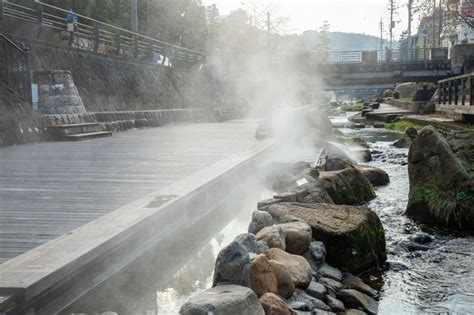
{"x": 48, "y": 189}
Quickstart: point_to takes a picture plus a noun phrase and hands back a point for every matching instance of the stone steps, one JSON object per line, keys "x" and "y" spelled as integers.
{"x": 77, "y": 132}
{"x": 87, "y": 136}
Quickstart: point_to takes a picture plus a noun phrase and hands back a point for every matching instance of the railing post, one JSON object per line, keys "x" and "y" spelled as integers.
{"x": 456, "y": 91}
{"x": 450, "y": 93}
{"x": 1, "y": 10}
{"x": 445, "y": 95}
{"x": 118, "y": 39}
{"x": 96, "y": 37}
{"x": 463, "y": 92}
{"x": 471, "y": 91}
{"x": 39, "y": 9}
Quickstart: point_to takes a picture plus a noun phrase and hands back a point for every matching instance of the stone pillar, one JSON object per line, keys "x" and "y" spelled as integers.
{"x": 58, "y": 93}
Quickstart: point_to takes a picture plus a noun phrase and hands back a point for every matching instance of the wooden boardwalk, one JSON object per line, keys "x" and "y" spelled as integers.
{"x": 49, "y": 189}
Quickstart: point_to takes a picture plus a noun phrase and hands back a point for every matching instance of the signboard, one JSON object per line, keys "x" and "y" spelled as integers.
{"x": 467, "y": 11}
{"x": 34, "y": 95}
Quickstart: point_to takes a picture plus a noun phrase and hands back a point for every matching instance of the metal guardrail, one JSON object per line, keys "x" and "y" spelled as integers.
{"x": 388, "y": 56}
{"x": 93, "y": 35}
{"x": 15, "y": 68}
{"x": 457, "y": 90}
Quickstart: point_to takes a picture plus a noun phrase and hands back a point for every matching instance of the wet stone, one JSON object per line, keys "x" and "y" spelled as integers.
{"x": 327, "y": 271}
{"x": 334, "y": 304}
{"x": 316, "y": 290}
{"x": 336, "y": 285}
{"x": 260, "y": 220}
{"x": 261, "y": 205}
{"x": 355, "y": 299}
{"x": 353, "y": 282}
{"x": 309, "y": 302}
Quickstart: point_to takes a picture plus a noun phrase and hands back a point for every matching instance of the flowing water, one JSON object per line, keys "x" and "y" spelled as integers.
{"x": 438, "y": 279}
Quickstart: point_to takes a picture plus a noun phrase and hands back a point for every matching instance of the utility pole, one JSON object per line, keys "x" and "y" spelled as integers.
{"x": 381, "y": 33}
{"x": 392, "y": 9}
{"x": 433, "y": 35}
{"x": 269, "y": 25}
{"x": 410, "y": 17}
{"x": 134, "y": 16}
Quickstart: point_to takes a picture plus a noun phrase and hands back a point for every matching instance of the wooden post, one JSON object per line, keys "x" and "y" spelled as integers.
{"x": 463, "y": 91}
{"x": 471, "y": 91}
{"x": 29, "y": 75}
{"x": 456, "y": 91}
{"x": 118, "y": 39}
{"x": 450, "y": 93}
{"x": 96, "y": 37}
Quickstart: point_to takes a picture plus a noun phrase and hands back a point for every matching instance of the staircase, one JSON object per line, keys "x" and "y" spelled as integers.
{"x": 77, "y": 132}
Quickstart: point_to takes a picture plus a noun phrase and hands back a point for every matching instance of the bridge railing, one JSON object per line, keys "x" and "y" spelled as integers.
{"x": 15, "y": 68}
{"x": 457, "y": 90}
{"x": 387, "y": 56}
{"x": 47, "y": 22}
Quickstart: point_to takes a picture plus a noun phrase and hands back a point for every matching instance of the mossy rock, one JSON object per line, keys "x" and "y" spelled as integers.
{"x": 348, "y": 186}
{"x": 354, "y": 236}
{"x": 441, "y": 190}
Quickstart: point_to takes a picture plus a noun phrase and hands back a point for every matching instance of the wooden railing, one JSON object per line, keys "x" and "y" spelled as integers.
{"x": 49, "y": 24}
{"x": 457, "y": 90}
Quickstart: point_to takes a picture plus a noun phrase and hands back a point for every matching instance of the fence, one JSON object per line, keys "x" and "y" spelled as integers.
{"x": 15, "y": 68}
{"x": 48, "y": 23}
{"x": 457, "y": 90}
{"x": 388, "y": 56}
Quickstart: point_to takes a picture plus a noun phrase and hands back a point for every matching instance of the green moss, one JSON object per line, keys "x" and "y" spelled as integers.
{"x": 357, "y": 107}
{"x": 402, "y": 125}
{"x": 451, "y": 208}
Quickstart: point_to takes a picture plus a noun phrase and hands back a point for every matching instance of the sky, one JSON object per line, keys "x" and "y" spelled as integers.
{"x": 355, "y": 16}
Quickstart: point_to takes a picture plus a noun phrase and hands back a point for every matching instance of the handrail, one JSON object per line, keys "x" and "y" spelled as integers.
{"x": 119, "y": 28}
{"x": 21, "y": 50}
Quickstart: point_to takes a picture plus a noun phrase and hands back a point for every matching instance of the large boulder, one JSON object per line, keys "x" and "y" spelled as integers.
{"x": 232, "y": 266}
{"x": 262, "y": 276}
{"x": 347, "y": 186}
{"x": 260, "y": 219}
{"x": 298, "y": 268}
{"x": 354, "y": 236}
{"x": 274, "y": 236}
{"x": 223, "y": 300}
{"x": 298, "y": 237}
{"x": 462, "y": 144}
{"x": 376, "y": 176}
{"x": 286, "y": 286}
{"x": 356, "y": 299}
{"x": 441, "y": 190}
{"x": 274, "y": 305}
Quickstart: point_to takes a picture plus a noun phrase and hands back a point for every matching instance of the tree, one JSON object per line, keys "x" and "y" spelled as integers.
{"x": 324, "y": 41}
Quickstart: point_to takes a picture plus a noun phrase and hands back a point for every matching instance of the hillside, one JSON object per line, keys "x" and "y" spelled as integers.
{"x": 344, "y": 41}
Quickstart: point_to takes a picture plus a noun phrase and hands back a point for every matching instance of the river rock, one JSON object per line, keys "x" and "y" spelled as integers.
{"x": 462, "y": 144}
{"x": 411, "y": 133}
{"x": 262, "y": 276}
{"x": 403, "y": 142}
{"x": 223, "y": 300}
{"x": 286, "y": 286}
{"x": 318, "y": 251}
{"x": 260, "y": 219}
{"x": 354, "y": 236}
{"x": 350, "y": 281}
{"x": 250, "y": 244}
{"x": 297, "y": 266}
{"x": 355, "y": 299}
{"x": 347, "y": 186}
{"x": 262, "y": 205}
{"x": 355, "y": 312}
{"x": 316, "y": 290}
{"x": 328, "y": 282}
{"x": 298, "y": 237}
{"x": 232, "y": 266}
{"x": 441, "y": 190}
{"x": 376, "y": 176}
{"x": 335, "y": 305}
{"x": 330, "y": 272}
{"x": 421, "y": 238}
{"x": 274, "y": 236}
{"x": 336, "y": 164}
{"x": 274, "y": 305}
{"x": 309, "y": 303}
